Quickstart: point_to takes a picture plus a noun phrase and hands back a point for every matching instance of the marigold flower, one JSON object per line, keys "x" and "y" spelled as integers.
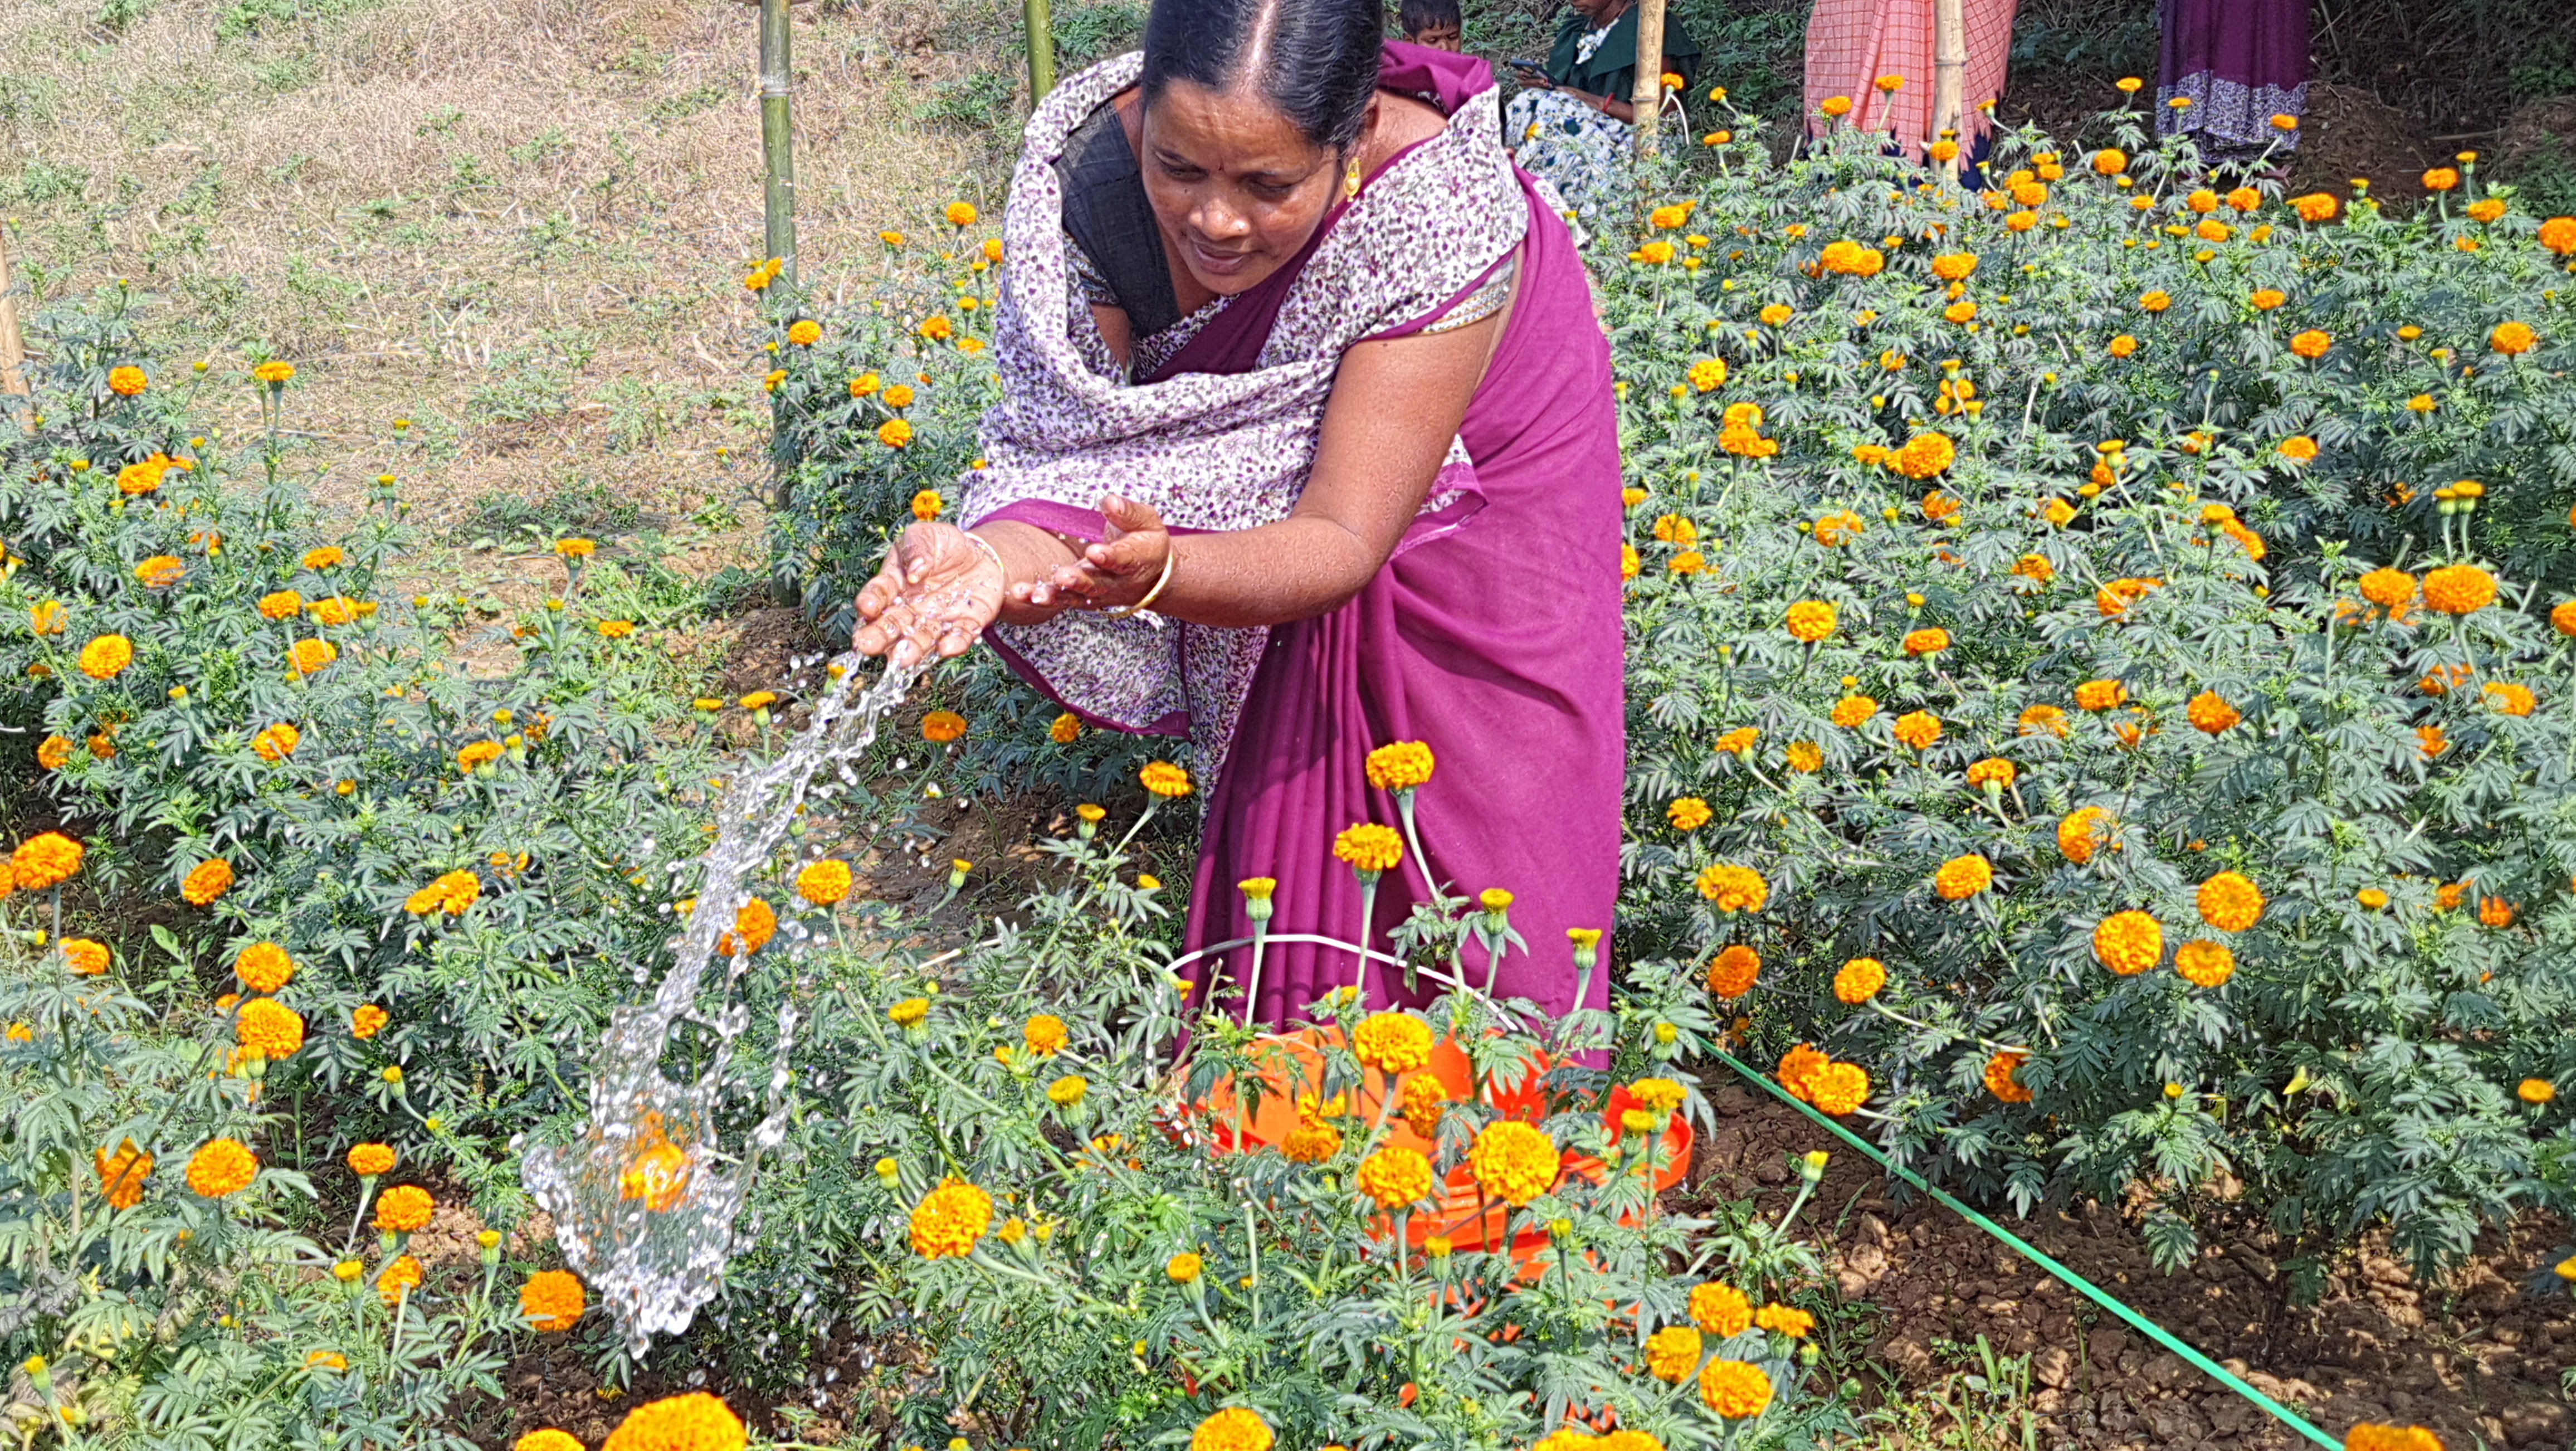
{"x": 1399, "y": 766}
{"x": 1737, "y": 1390}
{"x": 2372, "y": 898}
{"x": 754, "y": 923}
{"x": 950, "y": 1219}
{"x": 1798, "y": 1069}
{"x": 106, "y": 657}
{"x": 940, "y": 727}
{"x": 2459, "y": 589}
{"x": 2205, "y": 963}
{"x": 1963, "y": 877}
{"x": 2101, "y": 695}
{"x": 368, "y": 1021}
{"x": 552, "y": 1300}
{"x": 53, "y": 752}
{"x": 805, "y": 332}
{"x": 369, "y": 1160}
{"x": 1929, "y": 641}
{"x": 1739, "y": 741}
{"x": 1785, "y": 1320}
{"x": 2497, "y": 912}
{"x": 1392, "y": 1042}
{"x": 1993, "y": 771}
{"x": 1925, "y": 456}
{"x": 400, "y": 1277}
{"x": 45, "y": 861}
{"x": 121, "y": 1174}
{"x": 1182, "y": 1268}
{"x": 1425, "y": 1102}
{"x": 894, "y": 433}
{"x": 909, "y": 1012}
{"x": 329, "y": 556}
{"x": 1394, "y": 1177}
{"x": 1708, "y": 374}
{"x": 1689, "y": 813}
{"x": 1068, "y": 1091}
{"x": 309, "y": 656}
{"x": 1045, "y": 1034}
{"x": 1720, "y": 1311}
{"x": 1513, "y": 1161}
{"x": 274, "y": 372}
{"x": 2003, "y": 1077}
{"x": 824, "y": 883}
{"x": 1860, "y": 980}
{"x": 1804, "y": 757}
{"x": 1065, "y": 729}
{"x": 269, "y": 1028}
{"x": 404, "y": 1208}
{"x": 1312, "y": 1142}
{"x": 1235, "y": 1428}
{"x": 87, "y": 958}
{"x": 1918, "y": 729}
{"x": 1810, "y": 620}
{"x": 2299, "y": 449}
{"x": 693, "y": 1422}
{"x": 1839, "y": 1088}
{"x": 2040, "y": 719}
{"x": 2312, "y": 344}
{"x": 222, "y": 1167}
{"x": 2369, "y": 1437}
{"x": 1853, "y": 711}
{"x": 2533, "y": 1091}
{"x": 2129, "y": 942}
{"x": 264, "y": 967}
{"x": 2511, "y": 699}
{"x": 1166, "y": 780}
{"x": 1734, "y": 888}
{"x": 2231, "y": 902}
{"x": 1369, "y": 847}
{"x": 1734, "y": 972}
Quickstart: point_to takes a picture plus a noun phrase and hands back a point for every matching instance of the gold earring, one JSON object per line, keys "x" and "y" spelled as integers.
{"x": 1351, "y": 181}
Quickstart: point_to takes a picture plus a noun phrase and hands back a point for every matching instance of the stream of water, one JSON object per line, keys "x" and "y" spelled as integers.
{"x": 647, "y": 1203}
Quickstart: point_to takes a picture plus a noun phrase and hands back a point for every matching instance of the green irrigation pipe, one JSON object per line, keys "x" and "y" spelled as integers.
{"x": 2095, "y": 1293}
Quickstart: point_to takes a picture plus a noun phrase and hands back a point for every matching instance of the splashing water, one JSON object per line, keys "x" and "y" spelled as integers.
{"x": 646, "y": 1201}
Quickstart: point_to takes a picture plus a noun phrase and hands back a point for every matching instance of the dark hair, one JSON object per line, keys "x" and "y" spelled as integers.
{"x": 1416, "y": 16}
{"x": 1316, "y": 60}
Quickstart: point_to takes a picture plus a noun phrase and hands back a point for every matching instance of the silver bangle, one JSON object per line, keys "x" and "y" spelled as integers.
{"x": 995, "y": 555}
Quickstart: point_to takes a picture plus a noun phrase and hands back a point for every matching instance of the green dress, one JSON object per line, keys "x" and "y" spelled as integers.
{"x": 1582, "y": 154}
{"x": 1611, "y": 69}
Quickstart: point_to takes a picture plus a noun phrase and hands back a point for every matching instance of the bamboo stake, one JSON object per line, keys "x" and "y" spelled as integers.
{"x": 1041, "y": 28}
{"x": 1647, "y": 96}
{"x": 777, "y": 136}
{"x": 1949, "y": 74}
{"x": 13, "y": 347}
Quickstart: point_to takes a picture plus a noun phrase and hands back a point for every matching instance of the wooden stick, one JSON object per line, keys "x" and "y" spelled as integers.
{"x": 777, "y": 135}
{"x": 1041, "y": 34}
{"x": 1949, "y": 74}
{"x": 13, "y": 347}
{"x": 1647, "y": 96}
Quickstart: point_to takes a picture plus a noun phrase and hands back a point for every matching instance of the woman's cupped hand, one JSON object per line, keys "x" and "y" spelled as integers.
{"x": 936, "y": 593}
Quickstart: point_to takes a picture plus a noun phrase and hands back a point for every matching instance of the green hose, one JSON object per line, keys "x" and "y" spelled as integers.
{"x": 2095, "y": 1293}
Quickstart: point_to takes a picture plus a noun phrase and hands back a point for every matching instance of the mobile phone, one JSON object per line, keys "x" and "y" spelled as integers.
{"x": 1531, "y": 66}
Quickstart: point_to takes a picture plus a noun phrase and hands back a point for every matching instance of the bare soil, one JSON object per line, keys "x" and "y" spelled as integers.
{"x": 2473, "y": 1358}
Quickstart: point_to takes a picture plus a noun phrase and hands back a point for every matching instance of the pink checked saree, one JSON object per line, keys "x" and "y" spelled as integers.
{"x": 1851, "y": 43}
{"x": 1494, "y": 632}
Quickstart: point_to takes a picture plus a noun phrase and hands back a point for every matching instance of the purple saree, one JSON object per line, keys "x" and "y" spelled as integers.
{"x": 1493, "y": 634}
{"x": 2239, "y": 63}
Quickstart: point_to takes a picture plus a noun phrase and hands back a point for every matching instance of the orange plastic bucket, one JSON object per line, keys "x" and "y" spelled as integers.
{"x": 1293, "y": 1064}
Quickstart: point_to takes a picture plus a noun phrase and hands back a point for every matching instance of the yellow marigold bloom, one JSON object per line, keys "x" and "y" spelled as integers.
{"x": 2075, "y": 835}
{"x": 1992, "y": 771}
{"x": 909, "y": 1012}
{"x": 334, "y": 610}
{"x": 2231, "y": 902}
{"x": 1392, "y": 1042}
{"x": 961, "y": 214}
{"x": 2129, "y": 942}
{"x": 2531, "y": 1090}
{"x": 1733, "y": 888}
{"x": 1672, "y": 1353}
{"x": 1631, "y": 563}
{"x": 950, "y": 1219}
{"x": 2003, "y": 1077}
{"x": 805, "y": 332}
{"x": 283, "y": 604}
{"x": 1394, "y": 1177}
{"x": 1166, "y": 780}
{"x": 2101, "y": 695}
{"x": 2210, "y": 712}
{"x": 548, "y": 1439}
{"x": 1734, "y": 972}
{"x": 309, "y": 656}
{"x": 458, "y": 891}
{"x": 222, "y": 1167}
{"x": 1425, "y": 1101}
{"x": 2155, "y": 301}
{"x": 2204, "y": 963}
{"x": 161, "y": 571}
{"x": 2268, "y": 298}
{"x": 754, "y": 923}
{"x": 121, "y": 1175}
{"x": 1929, "y": 641}
{"x": 2312, "y": 344}
{"x": 693, "y": 1422}
{"x": 2369, "y": 1437}
{"x": 45, "y": 861}
{"x": 47, "y": 617}
{"x": 264, "y": 967}
{"x": 1513, "y": 1161}
{"x": 277, "y": 742}
{"x": 1689, "y": 813}
{"x": 616, "y": 629}
{"x": 1810, "y": 620}
{"x": 552, "y": 1300}
{"x": 399, "y": 1278}
{"x": 1708, "y": 374}
{"x": 369, "y": 1160}
{"x": 2511, "y": 699}
{"x": 1918, "y": 729}
{"x": 1065, "y": 729}
{"x": 1662, "y": 1095}
{"x": 1839, "y": 1088}
{"x": 894, "y": 433}
{"x": 1835, "y": 529}
{"x": 1805, "y": 757}
{"x": 273, "y": 372}
{"x": 368, "y": 1021}
{"x": 1925, "y": 456}
{"x": 1183, "y": 1268}
{"x": 1720, "y": 1311}
{"x": 1737, "y": 1390}
{"x": 1233, "y": 1429}
{"x": 1861, "y": 979}
{"x": 87, "y": 958}
{"x": 2459, "y": 589}
{"x": 1311, "y": 1142}
{"x": 1045, "y": 1034}
{"x": 2299, "y": 449}
{"x": 404, "y": 1208}
{"x": 1963, "y": 877}
{"x": 1853, "y": 711}
{"x": 106, "y": 657}
{"x": 1369, "y": 847}
{"x": 477, "y": 755}
{"x": 1067, "y": 1091}
{"x": 269, "y": 1028}
{"x": 1785, "y": 1320}
{"x": 824, "y": 883}
{"x": 1739, "y": 741}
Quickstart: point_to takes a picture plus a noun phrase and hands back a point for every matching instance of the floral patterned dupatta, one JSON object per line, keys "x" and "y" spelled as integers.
{"x": 1211, "y": 451}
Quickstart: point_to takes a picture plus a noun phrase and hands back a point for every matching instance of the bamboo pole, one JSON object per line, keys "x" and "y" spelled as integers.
{"x": 1041, "y": 28}
{"x": 13, "y": 347}
{"x": 1949, "y": 74}
{"x": 1647, "y": 96}
{"x": 777, "y": 136}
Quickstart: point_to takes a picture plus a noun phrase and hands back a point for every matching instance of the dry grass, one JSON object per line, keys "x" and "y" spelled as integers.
{"x": 519, "y": 223}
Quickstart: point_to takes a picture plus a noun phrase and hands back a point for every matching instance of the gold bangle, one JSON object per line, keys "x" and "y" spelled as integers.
{"x": 1171, "y": 556}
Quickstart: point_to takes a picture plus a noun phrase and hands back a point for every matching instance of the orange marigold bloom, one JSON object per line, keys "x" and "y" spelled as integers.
{"x": 1392, "y": 1042}
{"x": 2124, "y": 346}
{"x": 2316, "y": 206}
{"x": 950, "y": 1219}
{"x": 1810, "y": 620}
{"x": 942, "y": 726}
{"x": 1734, "y": 972}
{"x": 1918, "y": 729}
{"x": 87, "y": 958}
{"x": 2299, "y": 449}
{"x": 206, "y": 881}
{"x": 2211, "y": 713}
{"x": 754, "y": 923}
{"x": 1513, "y": 1161}
{"x": 1931, "y": 641}
{"x": 1785, "y": 1320}
{"x": 2530, "y": 1090}
{"x": 1720, "y": 1311}
{"x": 46, "y": 861}
{"x": 1672, "y": 1353}
{"x": 824, "y": 883}
{"x": 368, "y": 1021}
{"x": 1394, "y": 1177}
{"x": 2497, "y": 912}
{"x": 2129, "y": 942}
{"x": 2431, "y": 741}
{"x": 400, "y": 1277}
{"x": 1311, "y": 1142}
{"x": 1963, "y": 877}
{"x": 277, "y": 742}
{"x": 2204, "y": 963}
{"x": 2390, "y": 589}
{"x": 2101, "y": 695}
{"x": 1992, "y": 771}
{"x": 269, "y": 1028}
{"x": 1733, "y": 888}
{"x": 1737, "y": 1390}
{"x": 1804, "y": 757}
{"x": 1689, "y": 813}
{"x": 221, "y": 1168}
{"x": 1853, "y": 711}
{"x": 52, "y": 752}
{"x": 2003, "y": 1077}
{"x": 2114, "y": 599}
{"x": 552, "y": 1300}
{"x": 404, "y": 1208}
{"x": 1798, "y": 1069}
{"x": 1236, "y": 1428}
{"x": 369, "y": 1160}
{"x": 2369, "y": 1437}
{"x": 309, "y": 656}
{"x": 1925, "y": 456}
{"x": 264, "y": 967}
{"x": 1860, "y": 980}
{"x": 2046, "y": 718}
{"x": 2511, "y": 699}
{"x": 2312, "y": 344}
{"x": 693, "y": 1422}
{"x": 106, "y": 657}
{"x": 2513, "y": 338}
{"x": 2459, "y": 589}
{"x": 122, "y": 1173}
{"x": 1839, "y": 1088}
